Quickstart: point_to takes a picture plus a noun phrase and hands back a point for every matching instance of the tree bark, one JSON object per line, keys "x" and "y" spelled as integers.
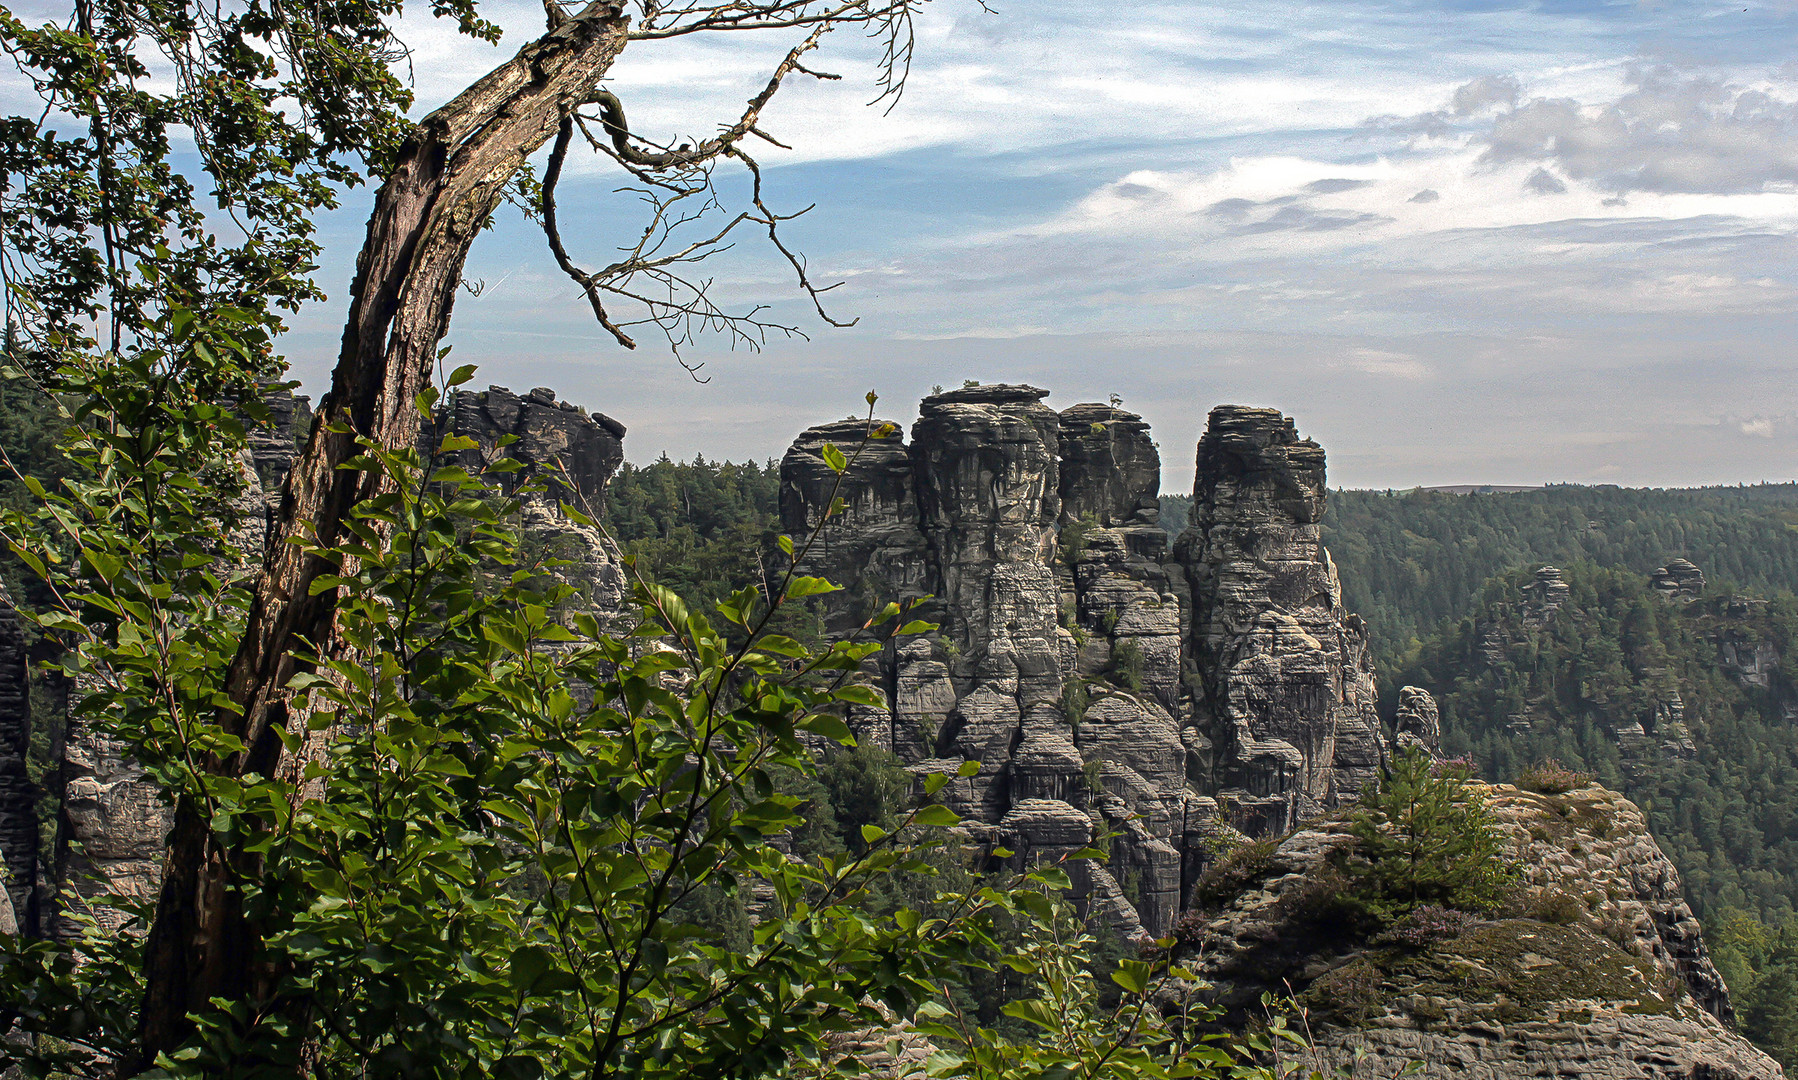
{"x": 447, "y": 181}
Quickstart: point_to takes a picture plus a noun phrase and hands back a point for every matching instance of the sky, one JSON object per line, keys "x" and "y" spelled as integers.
{"x": 1458, "y": 241}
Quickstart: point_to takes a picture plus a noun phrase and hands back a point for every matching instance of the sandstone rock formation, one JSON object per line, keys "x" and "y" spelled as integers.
{"x": 571, "y": 452}
{"x": 1544, "y": 595}
{"x": 1601, "y": 972}
{"x": 1063, "y": 644}
{"x": 1285, "y": 684}
{"x": 1679, "y": 580}
{"x": 566, "y": 451}
{"x": 1419, "y": 722}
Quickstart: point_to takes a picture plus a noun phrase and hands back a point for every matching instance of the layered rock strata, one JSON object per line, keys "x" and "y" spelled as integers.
{"x": 567, "y": 456}
{"x": 1064, "y": 649}
{"x": 1601, "y": 971}
{"x": 1418, "y": 722}
{"x": 570, "y": 452}
{"x": 1679, "y": 580}
{"x": 1285, "y": 683}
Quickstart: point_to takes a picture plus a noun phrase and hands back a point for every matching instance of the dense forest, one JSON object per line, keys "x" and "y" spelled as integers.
{"x": 1411, "y": 561}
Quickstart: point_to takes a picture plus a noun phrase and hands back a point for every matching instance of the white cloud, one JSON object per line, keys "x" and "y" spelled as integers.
{"x": 1395, "y": 365}
{"x": 1760, "y": 427}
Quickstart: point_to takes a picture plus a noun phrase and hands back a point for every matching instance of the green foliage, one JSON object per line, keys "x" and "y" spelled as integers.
{"x": 1759, "y": 962}
{"x": 1550, "y": 777}
{"x": 1426, "y": 837}
{"x": 1126, "y": 664}
{"x": 1411, "y": 561}
{"x": 505, "y": 818}
{"x": 1155, "y": 1028}
{"x": 702, "y": 528}
{"x": 1234, "y": 869}
{"x": 1611, "y": 657}
{"x": 1072, "y": 539}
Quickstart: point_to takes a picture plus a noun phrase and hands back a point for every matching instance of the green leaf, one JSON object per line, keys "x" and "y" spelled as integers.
{"x": 834, "y": 458}
{"x": 810, "y": 586}
{"x": 968, "y": 768}
{"x": 1133, "y": 975}
{"x": 937, "y": 816}
{"x": 461, "y": 375}
{"x": 829, "y": 726}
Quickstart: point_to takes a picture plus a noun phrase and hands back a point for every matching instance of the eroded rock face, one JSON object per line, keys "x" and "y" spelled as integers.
{"x": 1544, "y": 595}
{"x": 1285, "y": 685}
{"x": 114, "y": 825}
{"x": 1679, "y": 580}
{"x": 1419, "y": 722}
{"x": 1618, "y": 985}
{"x": 1061, "y": 664}
{"x": 572, "y": 452}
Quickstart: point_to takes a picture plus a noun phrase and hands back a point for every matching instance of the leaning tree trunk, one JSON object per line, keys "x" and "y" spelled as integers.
{"x": 447, "y": 182}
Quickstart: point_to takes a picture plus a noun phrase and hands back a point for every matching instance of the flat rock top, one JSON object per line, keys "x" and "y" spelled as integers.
{"x": 996, "y": 394}
{"x": 1097, "y": 412}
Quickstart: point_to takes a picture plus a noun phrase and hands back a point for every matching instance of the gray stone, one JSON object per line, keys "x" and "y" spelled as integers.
{"x": 1679, "y": 580}
{"x": 1419, "y": 722}
{"x": 571, "y": 453}
{"x": 1285, "y": 687}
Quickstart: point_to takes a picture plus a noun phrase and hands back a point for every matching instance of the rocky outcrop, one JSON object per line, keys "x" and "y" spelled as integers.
{"x": 570, "y": 452}
{"x": 113, "y": 822}
{"x": 568, "y": 456}
{"x": 1597, "y": 969}
{"x": 1544, "y": 595}
{"x": 274, "y": 443}
{"x": 1063, "y": 645}
{"x": 1419, "y": 722}
{"x": 1284, "y": 683}
{"x": 1679, "y": 580}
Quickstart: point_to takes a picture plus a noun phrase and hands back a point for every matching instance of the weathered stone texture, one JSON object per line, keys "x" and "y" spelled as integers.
{"x": 1679, "y": 580}
{"x": 114, "y": 824}
{"x": 573, "y": 453}
{"x": 1624, "y": 989}
{"x": 1063, "y": 644}
{"x": 1419, "y": 722}
{"x": 1285, "y": 685}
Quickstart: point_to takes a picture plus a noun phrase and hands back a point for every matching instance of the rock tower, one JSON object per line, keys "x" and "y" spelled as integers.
{"x": 1105, "y": 684}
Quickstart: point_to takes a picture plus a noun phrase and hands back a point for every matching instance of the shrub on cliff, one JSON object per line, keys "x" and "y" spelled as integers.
{"x": 1426, "y": 837}
{"x": 1549, "y": 777}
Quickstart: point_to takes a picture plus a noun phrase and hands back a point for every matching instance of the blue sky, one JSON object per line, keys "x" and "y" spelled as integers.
{"x": 1459, "y": 242}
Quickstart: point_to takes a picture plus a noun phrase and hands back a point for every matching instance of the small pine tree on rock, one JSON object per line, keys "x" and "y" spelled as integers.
{"x": 1424, "y": 836}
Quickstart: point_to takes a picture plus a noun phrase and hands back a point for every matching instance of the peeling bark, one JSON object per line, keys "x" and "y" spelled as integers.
{"x": 447, "y": 181}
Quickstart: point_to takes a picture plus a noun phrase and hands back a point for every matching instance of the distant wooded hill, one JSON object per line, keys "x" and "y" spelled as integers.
{"x": 1411, "y": 561}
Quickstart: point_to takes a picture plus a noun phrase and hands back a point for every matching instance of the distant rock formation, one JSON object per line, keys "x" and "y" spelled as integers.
{"x": 568, "y": 452}
{"x": 1070, "y": 640}
{"x": 1679, "y": 580}
{"x": 1544, "y": 595}
{"x": 571, "y": 452}
{"x": 1419, "y": 722}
